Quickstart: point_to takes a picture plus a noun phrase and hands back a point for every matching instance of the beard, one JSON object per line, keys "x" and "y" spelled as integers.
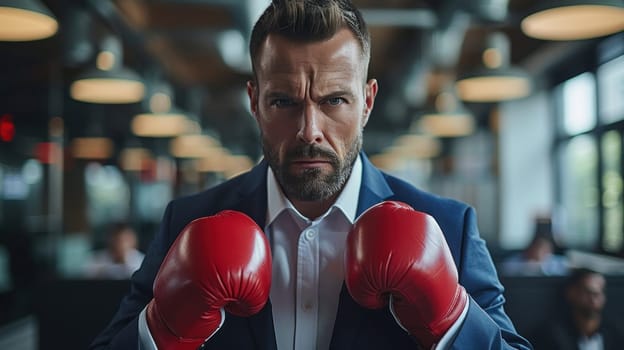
{"x": 312, "y": 184}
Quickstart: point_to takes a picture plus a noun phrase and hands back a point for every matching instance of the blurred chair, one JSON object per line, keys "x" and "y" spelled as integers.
{"x": 70, "y": 313}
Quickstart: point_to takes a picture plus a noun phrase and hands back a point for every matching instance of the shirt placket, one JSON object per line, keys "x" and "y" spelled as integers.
{"x": 307, "y": 289}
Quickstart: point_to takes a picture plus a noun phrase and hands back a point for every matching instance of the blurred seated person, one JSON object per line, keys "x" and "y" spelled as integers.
{"x": 581, "y": 325}
{"x": 120, "y": 258}
{"x": 539, "y": 257}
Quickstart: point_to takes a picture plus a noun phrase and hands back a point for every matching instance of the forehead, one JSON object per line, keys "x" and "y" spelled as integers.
{"x": 592, "y": 282}
{"x": 280, "y": 55}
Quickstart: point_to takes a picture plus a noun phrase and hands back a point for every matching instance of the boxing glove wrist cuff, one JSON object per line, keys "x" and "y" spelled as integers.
{"x": 449, "y": 337}
{"x": 162, "y": 336}
{"x": 396, "y": 319}
{"x": 146, "y": 341}
{"x": 446, "y": 338}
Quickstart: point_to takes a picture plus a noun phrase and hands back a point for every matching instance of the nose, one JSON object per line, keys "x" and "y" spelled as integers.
{"x": 310, "y": 129}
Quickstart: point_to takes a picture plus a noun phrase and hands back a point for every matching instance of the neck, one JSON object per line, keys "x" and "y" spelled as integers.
{"x": 314, "y": 209}
{"x": 587, "y": 326}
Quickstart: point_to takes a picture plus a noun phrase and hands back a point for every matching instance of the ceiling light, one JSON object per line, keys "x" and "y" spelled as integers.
{"x": 161, "y": 120}
{"x": 447, "y": 124}
{"x": 574, "y": 19}
{"x": 25, "y": 20}
{"x": 406, "y": 150}
{"x": 215, "y": 160}
{"x": 159, "y": 124}
{"x": 108, "y": 87}
{"x": 494, "y": 85}
{"x": 96, "y": 148}
{"x": 496, "y": 80}
{"x": 450, "y": 119}
{"x": 134, "y": 158}
{"x": 416, "y": 146}
{"x": 192, "y": 146}
{"x": 108, "y": 82}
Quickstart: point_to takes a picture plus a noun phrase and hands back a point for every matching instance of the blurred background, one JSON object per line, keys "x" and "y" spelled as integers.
{"x": 111, "y": 108}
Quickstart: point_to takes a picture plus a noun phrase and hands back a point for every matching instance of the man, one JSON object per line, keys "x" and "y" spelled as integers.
{"x": 539, "y": 257}
{"x": 581, "y": 325}
{"x": 311, "y": 99}
{"x": 120, "y": 258}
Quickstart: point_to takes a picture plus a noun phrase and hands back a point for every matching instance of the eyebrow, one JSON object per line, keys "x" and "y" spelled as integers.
{"x": 337, "y": 93}
{"x": 276, "y": 94}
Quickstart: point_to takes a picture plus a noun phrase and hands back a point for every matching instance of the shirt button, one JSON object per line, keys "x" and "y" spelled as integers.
{"x": 309, "y": 234}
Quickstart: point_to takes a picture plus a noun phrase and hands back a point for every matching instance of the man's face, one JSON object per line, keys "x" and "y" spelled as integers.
{"x": 121, "y": 243}
{"x": 311, "y": 103}
{"x": 588, "y": 297}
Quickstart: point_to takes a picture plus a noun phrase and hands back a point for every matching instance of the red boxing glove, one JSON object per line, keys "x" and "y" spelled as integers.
{"x": 395, "y": 251}
{"x": 217, "y": 262}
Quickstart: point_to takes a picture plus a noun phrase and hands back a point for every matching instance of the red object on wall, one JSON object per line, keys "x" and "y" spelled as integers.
{"x": 7, "y": 128}
{"x": 47, "y": 152}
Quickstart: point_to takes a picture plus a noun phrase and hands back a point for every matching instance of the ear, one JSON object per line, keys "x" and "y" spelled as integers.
{"x": 370, "y": 92}
{"x": 253, "y": 98}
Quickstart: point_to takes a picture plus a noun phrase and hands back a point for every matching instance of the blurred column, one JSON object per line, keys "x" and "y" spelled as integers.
{"x": 55, "y": 178}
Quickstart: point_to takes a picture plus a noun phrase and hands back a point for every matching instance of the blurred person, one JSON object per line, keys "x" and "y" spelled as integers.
{"x": 327, "y": 213}
{"x": 539, "y": 257}
{"x": 120, "y": 258}
{"x": 581, "y": 325}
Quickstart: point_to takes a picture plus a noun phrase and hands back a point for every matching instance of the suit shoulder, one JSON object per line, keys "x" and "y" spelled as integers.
{"x": 423, "y": 200}
{"x": 211, "y": 200}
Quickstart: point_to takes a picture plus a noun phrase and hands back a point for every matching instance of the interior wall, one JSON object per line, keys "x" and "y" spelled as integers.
{"x": 526, "y": 167}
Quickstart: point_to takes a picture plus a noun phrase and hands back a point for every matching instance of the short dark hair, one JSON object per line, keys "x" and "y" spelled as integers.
{"x": 309, "y": 20}
{"x": 577, "y": 275}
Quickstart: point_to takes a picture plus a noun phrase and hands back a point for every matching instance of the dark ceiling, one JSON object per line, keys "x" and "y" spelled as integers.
{"x": 417, "y": 48}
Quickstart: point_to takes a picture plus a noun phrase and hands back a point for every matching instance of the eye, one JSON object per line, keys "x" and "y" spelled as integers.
{"x": 335, "y": 101}
{"x": 282, "y": 102}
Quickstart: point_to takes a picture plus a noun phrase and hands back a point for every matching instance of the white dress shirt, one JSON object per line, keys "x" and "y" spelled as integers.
{"x": 308, "y": 272}
{"x": 591, "y": 343}
{"x": 308, "y": 258}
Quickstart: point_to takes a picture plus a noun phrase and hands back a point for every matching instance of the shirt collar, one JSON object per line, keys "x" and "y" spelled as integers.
{"x": 346, "y": 201}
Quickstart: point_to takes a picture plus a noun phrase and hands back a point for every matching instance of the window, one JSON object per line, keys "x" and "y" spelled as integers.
{"x": 589, "y": 148}
{"x": 579, "y": 191}
{"x": 612, "y": 191}
{"x": 611, "y": 87}
{"x": 579, "y": 104}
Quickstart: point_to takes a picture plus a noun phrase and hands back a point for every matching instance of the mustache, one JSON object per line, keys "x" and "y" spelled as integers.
{"x": 312, "y": 151}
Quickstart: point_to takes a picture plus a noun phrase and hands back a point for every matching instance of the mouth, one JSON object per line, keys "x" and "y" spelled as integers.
{"x": 310, "y": 163}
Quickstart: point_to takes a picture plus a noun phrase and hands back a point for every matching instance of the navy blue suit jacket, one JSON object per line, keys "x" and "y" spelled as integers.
{"x": 485, "y": 327}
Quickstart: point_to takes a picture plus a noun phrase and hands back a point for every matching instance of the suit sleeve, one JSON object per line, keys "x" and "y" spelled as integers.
{"x": 122, "y": 331}
{"x": 486, "y": 326}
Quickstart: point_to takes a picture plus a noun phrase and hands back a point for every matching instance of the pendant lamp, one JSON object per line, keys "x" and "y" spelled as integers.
{"x": 496, "y": 80}
{"x": 161, "y": 118}
{"x": 574, "y": 19}
{"x": 25, "y": 20}
{"x": 109, "y": 82}
{"x": 450, "y": 118}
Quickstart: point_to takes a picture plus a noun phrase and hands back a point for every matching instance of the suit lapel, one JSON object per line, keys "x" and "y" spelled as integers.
{"x": 349, "y": 319}
{"x": 262, "y": 328}
{"x": 253, "y": 202}
{"x": 253, "y": 194}
{"x": 374, "y": 188}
